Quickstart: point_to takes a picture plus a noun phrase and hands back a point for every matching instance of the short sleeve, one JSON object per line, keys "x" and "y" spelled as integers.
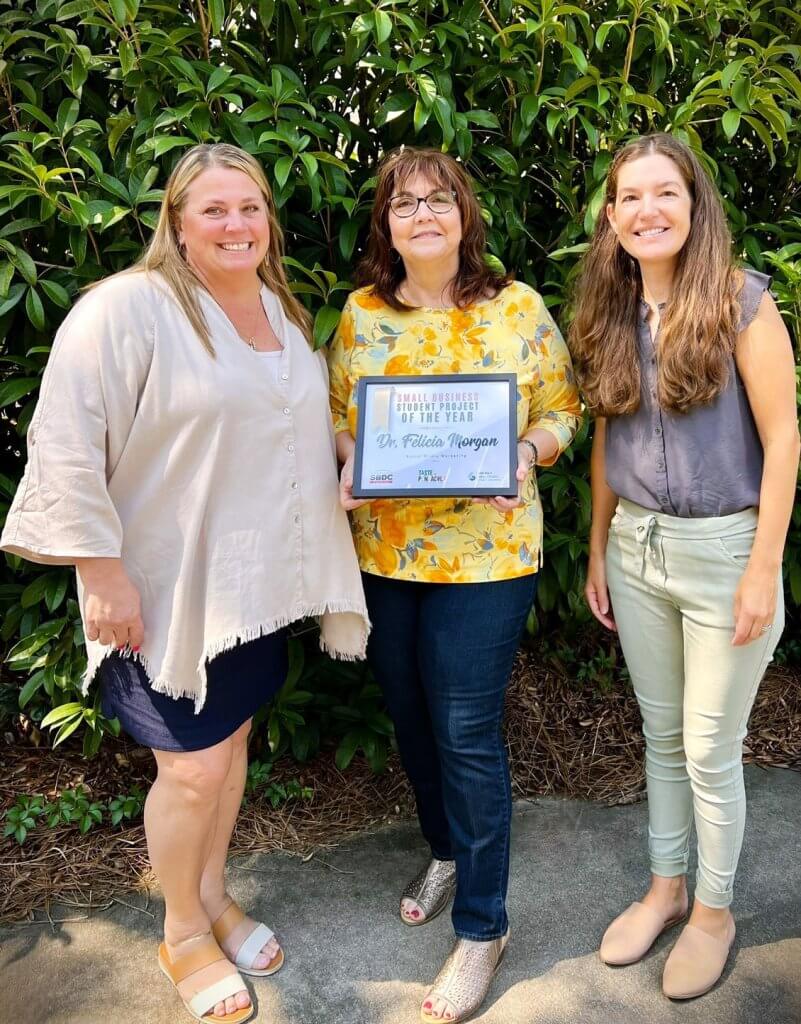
{"x": 90, "y": 390}
{"x": 339, "y": 368}
{"x": 754, "y": 287}
{"x": 555, "y": 406}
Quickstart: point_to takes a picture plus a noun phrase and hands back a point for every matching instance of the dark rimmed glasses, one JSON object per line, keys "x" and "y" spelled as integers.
{"x": 441, "y": 201}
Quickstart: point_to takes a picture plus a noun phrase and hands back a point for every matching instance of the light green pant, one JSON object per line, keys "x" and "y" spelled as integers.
{"x": 672, "y": 584}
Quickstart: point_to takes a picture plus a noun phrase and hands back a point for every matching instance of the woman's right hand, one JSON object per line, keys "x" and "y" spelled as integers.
{"x": 346, "y": 499}
{"x": 597, "y": 593}
{"x": 111, "y": 604}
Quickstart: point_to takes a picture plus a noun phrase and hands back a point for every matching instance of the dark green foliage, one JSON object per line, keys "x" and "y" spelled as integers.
{"x": 99, "y": 98}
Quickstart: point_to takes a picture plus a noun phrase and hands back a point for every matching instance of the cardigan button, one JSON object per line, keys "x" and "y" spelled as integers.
{"x": 294, "y": 485}
{"x": 287, "y": 410}
{"x": 284, "y": 376}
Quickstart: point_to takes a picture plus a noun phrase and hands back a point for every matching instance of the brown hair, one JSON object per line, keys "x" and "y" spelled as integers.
{"x": 698, "y": 328}
{"x": 164, "y": 255}
{"x": 383, "y": 269}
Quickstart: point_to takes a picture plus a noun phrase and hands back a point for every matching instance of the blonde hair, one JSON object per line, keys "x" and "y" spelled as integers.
{"x": 163, "y": 252}
{"x": 699, "y": 326}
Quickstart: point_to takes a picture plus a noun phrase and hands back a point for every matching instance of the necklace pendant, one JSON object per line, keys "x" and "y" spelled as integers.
{"x": 251, "y": 343}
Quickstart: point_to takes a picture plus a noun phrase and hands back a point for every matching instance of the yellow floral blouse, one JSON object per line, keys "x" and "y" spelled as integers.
{"x": 454, "y": 540}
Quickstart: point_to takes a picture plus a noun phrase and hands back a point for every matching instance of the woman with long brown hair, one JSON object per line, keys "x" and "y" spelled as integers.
{"x": 688, "y": 368}
{"x": 449, "y": 582}
{"x": 182, "y": 458}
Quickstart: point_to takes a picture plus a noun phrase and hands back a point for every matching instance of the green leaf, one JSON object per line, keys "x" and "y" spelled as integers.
{"x": 120, "y": 11}
{"x": 383, "y": 26}
{"x": 731, "y": 122}
{"x": 29, "y": 645}
{"x": 55, "y": 292}
{"x": 216, "y": 14}
{"x": 282, "y": 169}
{"x": 30, "y": 689}
{"x": 164, "y": 143}
{"x": 63, "y": 712}
{"x": 483, "y": 118}
{"x": 24, "y": 265}
{"x": 578, "y": 57}
{"x": 16, "y": 388}
{"x": 6, "y": 274}
{"x": 216, "y": 79}
{"x": 35, "y": 310}
{"x": 503, "y": 158}
{"x": 67, "y": 115}
{"x": 732, "y": 71}
{"x": 741, "y": 94}
{"x": 324, "y": 324}
{"x": 346, "y": 750}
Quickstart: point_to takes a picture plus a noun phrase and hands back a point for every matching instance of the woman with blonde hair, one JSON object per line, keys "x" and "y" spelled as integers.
{"x": 182, "y": 458}
{"x": 687, "y": 366}
{"x": 450, "y": 581}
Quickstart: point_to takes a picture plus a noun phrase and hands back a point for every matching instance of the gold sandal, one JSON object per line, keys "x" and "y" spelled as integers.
{"x": 204, "y": 953}
{"x": 465, "y": 979}
{"x": 431, "y": 890}
{"x": 250, "y": 946}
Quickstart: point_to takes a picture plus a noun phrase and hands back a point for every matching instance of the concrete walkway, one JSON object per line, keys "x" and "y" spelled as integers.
{"x": 350, "y": 960}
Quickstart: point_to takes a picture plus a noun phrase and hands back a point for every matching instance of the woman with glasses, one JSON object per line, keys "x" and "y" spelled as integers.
{"x": 450, "y": 582}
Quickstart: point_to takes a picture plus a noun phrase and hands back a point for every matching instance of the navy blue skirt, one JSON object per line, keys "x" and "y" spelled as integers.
{"x": 239, "y": 682}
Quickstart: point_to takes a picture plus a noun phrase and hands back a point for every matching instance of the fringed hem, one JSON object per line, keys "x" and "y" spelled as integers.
{"x": 242, "y": 635}
{"x": 340, "y": 655}
{"x": 253, "y": 632}
{"x": 159, "y": 683}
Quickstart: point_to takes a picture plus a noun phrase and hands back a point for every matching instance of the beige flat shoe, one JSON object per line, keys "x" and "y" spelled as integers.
{"x": 629, "y": 937}
{"x": 431, "y": 890}
{"x": 696, "y": 962}
{"x": 465, "y": 979}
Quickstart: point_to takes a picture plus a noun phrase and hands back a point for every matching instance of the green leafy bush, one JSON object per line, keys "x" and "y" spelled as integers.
{"x": 101, "y": 96}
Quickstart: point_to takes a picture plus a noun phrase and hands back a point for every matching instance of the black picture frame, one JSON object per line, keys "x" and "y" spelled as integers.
{"x": 359, "y": 491}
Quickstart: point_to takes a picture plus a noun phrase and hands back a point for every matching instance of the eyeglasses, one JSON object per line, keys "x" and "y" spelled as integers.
{"x": 441, "y": 201}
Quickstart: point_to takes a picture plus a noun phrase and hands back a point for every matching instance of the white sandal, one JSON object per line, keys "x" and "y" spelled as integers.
{"x": 228, "y": 921}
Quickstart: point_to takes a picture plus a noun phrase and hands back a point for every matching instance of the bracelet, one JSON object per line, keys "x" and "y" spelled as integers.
{"x": 534, "y": 453}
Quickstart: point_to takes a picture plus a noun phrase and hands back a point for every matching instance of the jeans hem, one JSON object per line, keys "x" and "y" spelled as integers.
{"x": 479, "y": 938}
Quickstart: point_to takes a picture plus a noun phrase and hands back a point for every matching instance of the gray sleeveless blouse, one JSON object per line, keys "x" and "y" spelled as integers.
{"x": 705, "y": 462}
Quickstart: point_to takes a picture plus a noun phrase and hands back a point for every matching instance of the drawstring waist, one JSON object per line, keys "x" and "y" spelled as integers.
{"x": 650, "y": 527}
{"x": 680, "y": 528}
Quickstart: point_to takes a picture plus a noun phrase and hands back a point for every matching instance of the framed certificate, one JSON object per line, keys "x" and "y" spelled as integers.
{"x": 447, "y": 435}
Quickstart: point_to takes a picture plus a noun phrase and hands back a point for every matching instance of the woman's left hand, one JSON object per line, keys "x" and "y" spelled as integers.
{"x": 754, "y": 606}
{"x": 524, "y": 466}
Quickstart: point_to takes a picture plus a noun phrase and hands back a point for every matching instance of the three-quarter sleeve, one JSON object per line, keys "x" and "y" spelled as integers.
{"x": 339, "y": 368}
{"x": 62, "y": 510}
{"x": 555, "y": 404}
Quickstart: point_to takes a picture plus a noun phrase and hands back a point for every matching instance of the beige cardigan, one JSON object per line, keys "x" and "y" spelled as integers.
{"x": 215, "y": 483}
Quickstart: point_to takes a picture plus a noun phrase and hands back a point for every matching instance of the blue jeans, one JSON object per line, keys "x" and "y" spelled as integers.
{"x": 442, "y": 654}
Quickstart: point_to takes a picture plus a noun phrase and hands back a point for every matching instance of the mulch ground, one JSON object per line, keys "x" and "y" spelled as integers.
{"x": 564, "y": 740}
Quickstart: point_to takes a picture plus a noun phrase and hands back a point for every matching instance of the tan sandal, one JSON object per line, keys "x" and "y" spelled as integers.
{"x": 250, "y": 947}
{"x": 203, "y": 954}
{"x": 465, "y": 979}
{"x": 431, "y": 890}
